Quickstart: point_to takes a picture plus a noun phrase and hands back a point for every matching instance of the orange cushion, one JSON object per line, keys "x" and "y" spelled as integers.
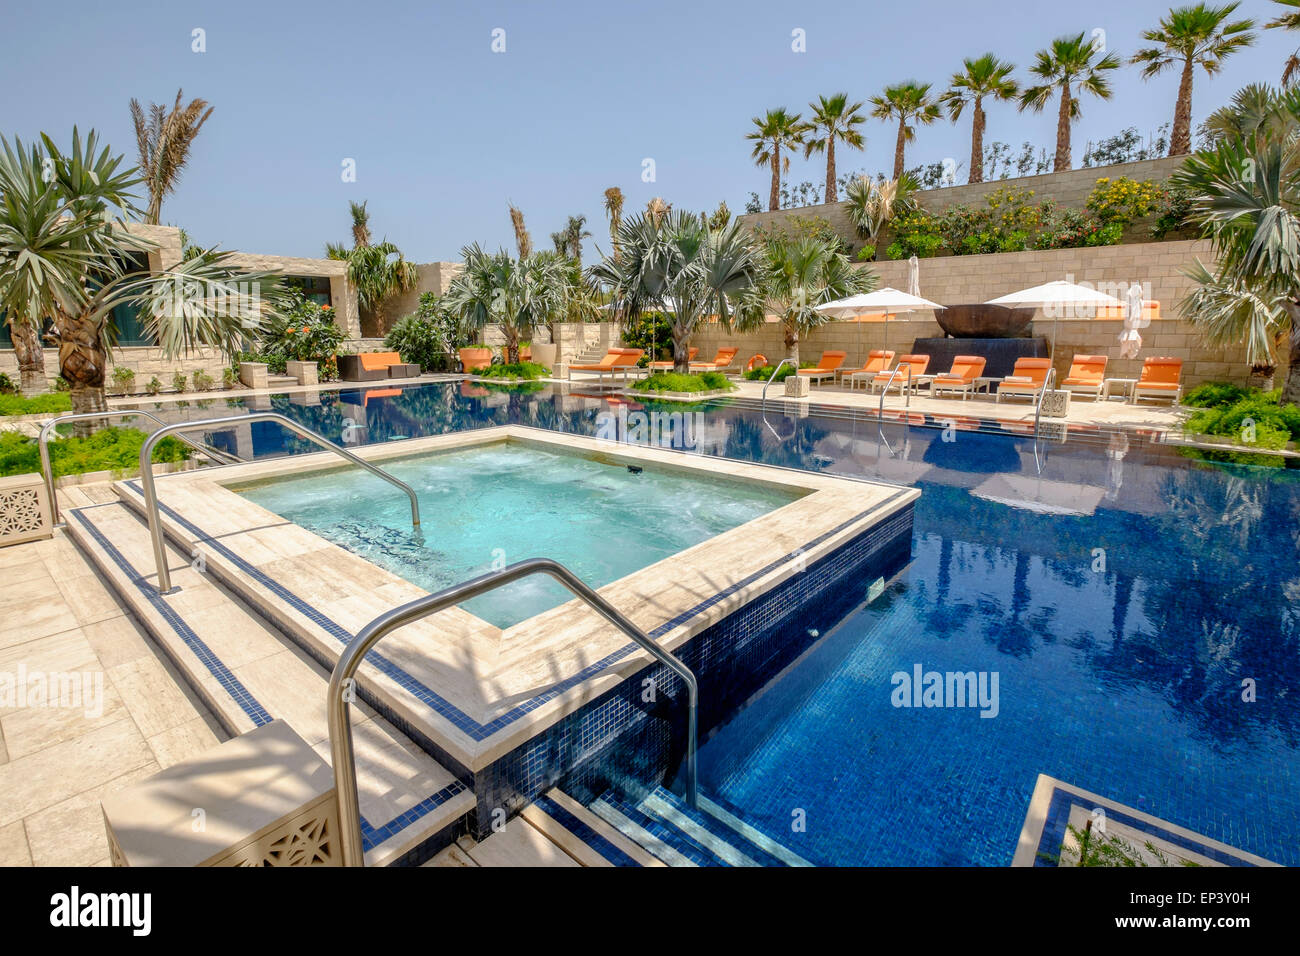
{"x": 373, "y": 361}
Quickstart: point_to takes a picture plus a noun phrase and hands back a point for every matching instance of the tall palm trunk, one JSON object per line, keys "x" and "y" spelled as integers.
{"x": 1180, "y": 140}
{"x": 774, "y": 197}
{"x": 681, "y": 348}
{"x": 831, "y": 194}
{"x": 83, "y": 362}
{"x": 898, "y": 149}
{"x": 1063, "y": 132}
{"x": 792, "y": 343}
{"x": 31, "y": 358}
{"x": 977, "y": 144}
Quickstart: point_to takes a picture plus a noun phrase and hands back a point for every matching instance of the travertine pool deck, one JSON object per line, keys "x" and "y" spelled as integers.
{"x": 476, "y": 690}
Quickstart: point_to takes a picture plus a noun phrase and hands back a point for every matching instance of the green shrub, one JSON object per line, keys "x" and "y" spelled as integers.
{"x": 7, "y": 386}
{"x": 676, "y": 382}
{"x": 1274, "y": 423}
{"x": 525, "y": 371}
{"x": 180, "y": 381}
{"x": 765, "y": 373}
{"x": 652, "y": 332}
{"x": 203, "y": 382}
{"x": 867, "y": 253}
{"x": 61, "y": 384}
{"x": 153, "y": 386}
{"x": 429, "y": 336}
{"x": 1211, "y": 394}
{"x": 123, "y": 378}
{"x": 116, "y": 449}
{"x": 229, "y": 379}
{"x": 36, "y": 405}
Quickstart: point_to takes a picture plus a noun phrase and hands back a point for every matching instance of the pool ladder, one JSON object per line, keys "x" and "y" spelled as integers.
{"x": 342, "y": 680}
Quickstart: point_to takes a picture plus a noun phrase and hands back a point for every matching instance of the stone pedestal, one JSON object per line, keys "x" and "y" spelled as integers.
{"x": 305, "y": 373}
{"x": 262, "y": 799}
{"x": 798, "y": 386}
{"x": 253, "y": 374}
{"x": 25, "y": 512}
{"x": 1056, "y": 404}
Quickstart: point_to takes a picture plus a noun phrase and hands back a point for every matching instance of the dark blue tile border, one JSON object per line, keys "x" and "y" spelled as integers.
{"x": 1058, "y": 817}
{"x": 371, "y": 836}
{"x": 593, "y": 838}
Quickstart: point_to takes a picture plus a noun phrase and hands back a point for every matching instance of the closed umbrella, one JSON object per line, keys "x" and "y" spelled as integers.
{"x": 1130, "y": 340}
{"x": 914, "y": 276}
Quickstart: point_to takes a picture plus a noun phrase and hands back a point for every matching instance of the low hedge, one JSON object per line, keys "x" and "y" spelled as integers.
{"x": 676, "y": 382}
{"x": 36, "y": 405}
{"x": 110, "y": 449}
{"x": 516, "y": 371}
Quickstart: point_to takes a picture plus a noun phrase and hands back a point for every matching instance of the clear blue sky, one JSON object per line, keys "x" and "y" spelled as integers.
{"x": 444, "y": 131}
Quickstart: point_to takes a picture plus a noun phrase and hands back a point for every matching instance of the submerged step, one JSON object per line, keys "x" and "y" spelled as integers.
{"x": 248, "y": 673}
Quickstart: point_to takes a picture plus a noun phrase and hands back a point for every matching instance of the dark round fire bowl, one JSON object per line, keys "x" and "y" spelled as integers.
{"x": 981, "y": 321}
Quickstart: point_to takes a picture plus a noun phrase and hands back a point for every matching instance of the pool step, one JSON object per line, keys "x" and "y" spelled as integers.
{"x": 247, "y": 672}
{"x": 679, "y": 835}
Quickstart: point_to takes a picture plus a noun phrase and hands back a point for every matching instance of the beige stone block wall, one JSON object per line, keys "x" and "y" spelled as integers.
{"x": 967, "y": 279}
{"x": 145, "y": 361}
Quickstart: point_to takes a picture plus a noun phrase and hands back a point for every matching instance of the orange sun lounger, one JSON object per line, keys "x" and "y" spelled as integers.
{"x": 1026, "y": 379}
{"x": 668, "y": 366}
{"x": 721, "y": 362}
{"x": 877, "y": 361}
{"x": 918, "y": 365}
{"x": 961, "y": 378}
{"x": 1161, "y": 378}
{"x": 1086, "y": 376}
{"x": 616, "y": 362}
{"x": 826, "y": 366}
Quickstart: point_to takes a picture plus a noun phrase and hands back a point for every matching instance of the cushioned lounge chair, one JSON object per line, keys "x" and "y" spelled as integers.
{"x": 961, "y": 377}
{"x": 825, "y": 368}
{"x": 1026, "y": 379}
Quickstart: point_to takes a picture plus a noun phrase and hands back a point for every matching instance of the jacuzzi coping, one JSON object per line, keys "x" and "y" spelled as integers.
{"x": 473, "y": 690}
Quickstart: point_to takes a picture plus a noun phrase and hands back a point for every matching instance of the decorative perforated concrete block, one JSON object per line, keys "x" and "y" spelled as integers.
{"x": 798, "y": 386}
{"x": 24, "y": 510}
{"x": 261, "y": 799}
{"x": 1056, "y": 404}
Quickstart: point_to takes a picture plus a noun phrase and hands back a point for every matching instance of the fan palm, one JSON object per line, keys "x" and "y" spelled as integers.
{"x": 795, "y": 275}
{"x": 909, "y": 103}
{"x": 985, "y": 77}
{"x": 678, "y": 265}
{"x": 833, "y": 119}
{"x": 773, "y": 132}
{"x": 872, "y": 204}
{"x": 515, "y": 294}
{"x": 163, "y": 140}
{"x": 1074, "y": 66}
{"x": 65, "y": 254}
{"x": 1288, "y": 21}
{"x": 1188, "y": 36}
{"x": 1246, "y": 198}
{"x": 377, "y": 271}
{"x": 1251, "y": 108}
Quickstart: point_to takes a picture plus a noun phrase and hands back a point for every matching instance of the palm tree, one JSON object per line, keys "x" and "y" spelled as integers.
{"x": 795, "y": 275}
{"x": 1288, "y": 21}
{"x": 908, "y": 103}
{"x": 377, "y": 271}
{"x": 523, "y": 241}
{"x": 568, "y": 241}
{"x": 985, "y": 77}
{"x": 656, "y": 209}
{"x": 872, "y": 204}
{"x": 1246, "y": 199}
{"x": 1188, "y": 36}
{"x": 360, "y": 224}
{"x": 163, "y": 140}
{"x": 515, "y": 294}
{"x": 1072, "y": 65}
{"x": 614, "y": 213}
{"x": 1250, "y": 108}
{"x": 65, "y": 254}
{"x": 833, "y": 118}
{"x": 777, "y": 130}
{"x": 677, "y": 264}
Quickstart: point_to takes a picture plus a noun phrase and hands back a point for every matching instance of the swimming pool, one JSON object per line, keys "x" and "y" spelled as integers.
{"x": 1123, "y": 594}
{"x": 494, "y": 505}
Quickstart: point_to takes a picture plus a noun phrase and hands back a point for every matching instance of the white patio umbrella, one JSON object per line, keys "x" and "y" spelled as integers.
{"x": 887, "y": 301}
{"x": 1058, "y": 296}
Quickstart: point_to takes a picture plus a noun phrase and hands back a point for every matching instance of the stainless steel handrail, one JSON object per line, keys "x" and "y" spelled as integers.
{"x": 907, "y": 392}
{"x": 1048, "y": 381}
{"x": 340, "y": 727}
{"x": 44, "y": 439}
{"x": 783, "y": 362}
{"x": 151, "y": 496}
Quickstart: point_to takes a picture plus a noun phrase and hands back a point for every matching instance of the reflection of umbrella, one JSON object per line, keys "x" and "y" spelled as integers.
{"x": 885, "y": 302}
{"x": 1039, "y": 495}
{"x": 1081, "y": 301}
{"x": 1130, "y": 342}
{"x": 1115, "y": 452}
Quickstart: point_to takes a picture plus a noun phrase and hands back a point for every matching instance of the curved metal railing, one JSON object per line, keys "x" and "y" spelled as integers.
{"x": 340, "y": 727}
{"x": 1049, "y": 380}
{"x": 151, "y": 496}
{"x": 44, "y": 444}
{"x": 779, "y": 365}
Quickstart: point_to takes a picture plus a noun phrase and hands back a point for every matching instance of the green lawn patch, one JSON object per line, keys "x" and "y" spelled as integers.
{"x": 676, "y": 382}
{"x": 513, "y": 371}
{"x": 110, "y": 449}
{"x": 765, "y": 373}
